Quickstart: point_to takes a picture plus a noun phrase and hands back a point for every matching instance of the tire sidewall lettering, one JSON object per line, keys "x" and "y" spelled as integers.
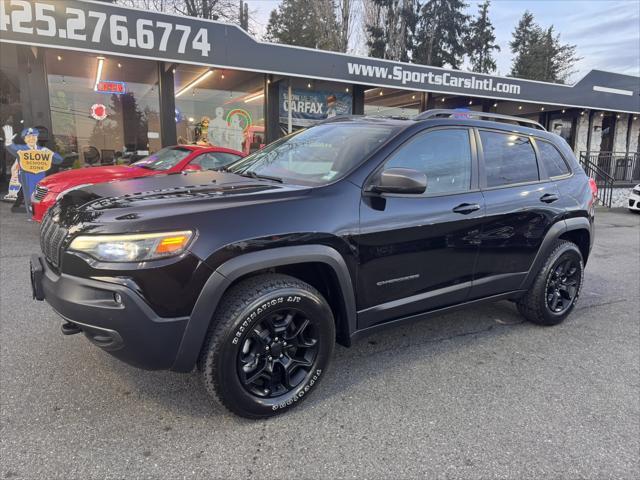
{"x": 259, "y": 310}
{"x": 300, "y": 393}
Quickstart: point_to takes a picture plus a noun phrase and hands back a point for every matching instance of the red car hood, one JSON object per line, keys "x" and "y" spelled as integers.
{"x": 80, "y": 176}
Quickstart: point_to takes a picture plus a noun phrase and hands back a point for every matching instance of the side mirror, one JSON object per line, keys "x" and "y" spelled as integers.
{"x": 400, "y": 180}
{"x": 192, "y": 167}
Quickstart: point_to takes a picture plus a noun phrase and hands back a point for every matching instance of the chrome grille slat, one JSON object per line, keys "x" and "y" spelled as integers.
{"x": 40, "y": 192}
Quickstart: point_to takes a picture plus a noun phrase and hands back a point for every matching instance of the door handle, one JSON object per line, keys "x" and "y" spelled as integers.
{"x": 466, "y": 208}
{"x": 549, "y": 197}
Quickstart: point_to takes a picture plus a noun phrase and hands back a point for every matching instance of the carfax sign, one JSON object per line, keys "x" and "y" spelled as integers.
{"x": 309, "y": 107}
{"x": 104, "y": 28}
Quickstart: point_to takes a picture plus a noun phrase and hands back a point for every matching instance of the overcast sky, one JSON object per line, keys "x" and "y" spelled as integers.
{"x": 607, "y": 32}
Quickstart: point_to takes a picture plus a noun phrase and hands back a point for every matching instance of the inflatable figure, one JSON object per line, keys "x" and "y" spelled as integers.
{"x": 219, "y": 134}
{"x": 235, "y": 134}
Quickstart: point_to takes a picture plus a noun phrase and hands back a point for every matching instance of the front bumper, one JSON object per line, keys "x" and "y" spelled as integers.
{"x": 112, "y": 316}
{"x": 634, "y": 202}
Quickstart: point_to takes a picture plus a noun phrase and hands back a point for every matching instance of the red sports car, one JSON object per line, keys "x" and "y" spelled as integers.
{"x": 167, "y": 160}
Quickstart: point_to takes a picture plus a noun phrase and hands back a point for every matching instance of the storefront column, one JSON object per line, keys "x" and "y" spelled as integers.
{"x": 634, "y": 135}
{"x": 620, "y": 137}
{"x": 423, "y": 101}
{"x": 590, "y": 131}
{"x": 272, "y": 117}
{"x": 358, "y": 100}
{"x": 34, "y": 91}
{"x": 168, "y": 131}
{"x": 629, "y": 125}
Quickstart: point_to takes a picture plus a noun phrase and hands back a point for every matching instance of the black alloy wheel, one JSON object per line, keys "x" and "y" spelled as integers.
{"x": 269, "y": 344}
{"x": 278, "y": 353}
{"x": 562, "y": 284}
{"x": 556, "y": 286}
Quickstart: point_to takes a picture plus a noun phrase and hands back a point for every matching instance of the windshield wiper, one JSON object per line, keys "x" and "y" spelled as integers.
{"x": 252, "y": 174}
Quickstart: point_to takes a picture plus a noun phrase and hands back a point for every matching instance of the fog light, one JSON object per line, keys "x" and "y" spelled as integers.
{"x": 117, "y": 297}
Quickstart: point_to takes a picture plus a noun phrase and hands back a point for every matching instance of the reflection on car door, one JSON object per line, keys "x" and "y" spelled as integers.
{"x": 417, "y": 252}
{"x": 519, "y": 211}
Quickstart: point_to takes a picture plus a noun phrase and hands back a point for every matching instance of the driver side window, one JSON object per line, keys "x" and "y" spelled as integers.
{"x": 443, "y": 155}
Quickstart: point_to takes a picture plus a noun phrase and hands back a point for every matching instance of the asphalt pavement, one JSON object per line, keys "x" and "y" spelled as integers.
{"x": 474, "y": 394}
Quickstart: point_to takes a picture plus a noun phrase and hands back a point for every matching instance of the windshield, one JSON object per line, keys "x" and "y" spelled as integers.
{"x": 164, "y": 159}
{"x": 316, "y": 156}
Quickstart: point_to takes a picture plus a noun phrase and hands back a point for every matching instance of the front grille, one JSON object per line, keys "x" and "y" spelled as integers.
{"x": 51, "y": 237}
{"x": 40, "y": 193}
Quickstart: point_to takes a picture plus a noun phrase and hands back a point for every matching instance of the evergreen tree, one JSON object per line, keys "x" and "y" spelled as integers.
{"x": 375, "y": 31}
{"x": 244, "y": 15}
{"x": 390, "y": 28}
{"x": 480, "y": 41}
{"x": 539, "y": 53}
{"x": 525, "y": 37}
{"x": 442, "y": 27}
{"x": 305, "y": 23}
{"x": 560, "y": 59}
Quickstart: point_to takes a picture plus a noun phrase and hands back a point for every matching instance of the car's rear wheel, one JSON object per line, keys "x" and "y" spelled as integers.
{"x": 556, "y": 288}
{"x": 269, "y": 344}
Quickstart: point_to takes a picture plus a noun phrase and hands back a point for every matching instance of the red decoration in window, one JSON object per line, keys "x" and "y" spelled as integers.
{"x": 106, "y": 86}
{"x": 98, "y": 111}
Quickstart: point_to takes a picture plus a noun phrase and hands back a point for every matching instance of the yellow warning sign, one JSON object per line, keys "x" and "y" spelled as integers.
{"x": 35, "y": 161}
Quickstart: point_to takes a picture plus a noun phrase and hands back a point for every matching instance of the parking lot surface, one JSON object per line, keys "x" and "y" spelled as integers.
{"x": 477, "y": 393}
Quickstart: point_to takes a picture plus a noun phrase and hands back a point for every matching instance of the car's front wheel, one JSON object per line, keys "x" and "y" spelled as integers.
{"x": 269, "y": 344}
{"x": 556, "y": 288}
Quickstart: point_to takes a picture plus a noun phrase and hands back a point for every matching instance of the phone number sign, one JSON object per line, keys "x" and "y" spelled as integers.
{"x": 103, "y": 27}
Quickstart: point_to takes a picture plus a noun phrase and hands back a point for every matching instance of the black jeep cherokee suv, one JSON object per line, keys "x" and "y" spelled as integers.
{"x": 253, "y": 273}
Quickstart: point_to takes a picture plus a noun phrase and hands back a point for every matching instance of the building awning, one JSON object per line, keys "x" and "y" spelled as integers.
{"x": 102, "y": 28}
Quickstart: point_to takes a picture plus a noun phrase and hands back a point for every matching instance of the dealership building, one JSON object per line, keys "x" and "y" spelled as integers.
{"x": 105, "y": 84}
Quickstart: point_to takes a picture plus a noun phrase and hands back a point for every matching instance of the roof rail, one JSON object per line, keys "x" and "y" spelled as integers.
{"x": 441, "y": 112}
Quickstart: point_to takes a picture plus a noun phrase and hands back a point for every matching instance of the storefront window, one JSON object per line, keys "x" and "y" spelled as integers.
{"x": 563, "y": 125}
{"x": 219, "y": 107}
{"x": 11, "y": 106}
{"x": 311, "y": 101}
{"x": 104, "y": 110}
{"x": 391, "y": 102}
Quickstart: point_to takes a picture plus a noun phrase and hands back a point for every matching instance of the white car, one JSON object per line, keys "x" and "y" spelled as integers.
{"x": 634, "y": 199}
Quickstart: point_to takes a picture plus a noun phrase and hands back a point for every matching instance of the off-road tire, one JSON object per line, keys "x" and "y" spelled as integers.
{"x": 533, "y": 305}
{"x": 241, "y": 310}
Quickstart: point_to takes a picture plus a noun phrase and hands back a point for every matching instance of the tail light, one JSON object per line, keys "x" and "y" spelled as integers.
{"x": 594, "y": 187}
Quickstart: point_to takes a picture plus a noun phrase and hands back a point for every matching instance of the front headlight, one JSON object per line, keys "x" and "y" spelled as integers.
{"x": 132, "y": 248}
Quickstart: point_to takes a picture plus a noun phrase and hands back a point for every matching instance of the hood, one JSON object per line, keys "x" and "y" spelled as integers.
{"x": 162, "y": 196}
{"x": 79, "y": 176}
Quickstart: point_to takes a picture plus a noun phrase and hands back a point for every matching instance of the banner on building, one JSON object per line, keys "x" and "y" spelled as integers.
{"x": 308, "y": 107}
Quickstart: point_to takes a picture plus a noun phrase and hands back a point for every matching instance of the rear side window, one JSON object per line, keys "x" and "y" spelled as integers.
{"x": 553, "y": 162}
{"x": 508, "y": 159}
{"x": 443, "y": 155}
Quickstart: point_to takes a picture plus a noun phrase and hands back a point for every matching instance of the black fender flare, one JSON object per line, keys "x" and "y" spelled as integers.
{"x": 231, "y": 270}
{"x": 555, "y": 232}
